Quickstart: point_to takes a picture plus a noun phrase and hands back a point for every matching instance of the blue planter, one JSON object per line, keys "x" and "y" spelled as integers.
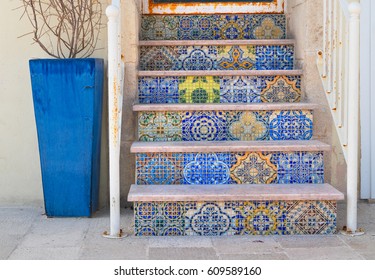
{"x": 67, "y": 95}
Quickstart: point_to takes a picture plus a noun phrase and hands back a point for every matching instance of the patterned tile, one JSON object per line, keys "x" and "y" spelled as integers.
{"x": 197, "y": 57}
{"x": 159, "y": 168}
{"x": 291, "y": 125}
{"x": 240, "y": 89}
{"x": 267, "y": 27}
{"x": 254, "y": 168}
{"x": 199, "y": 89}
{"x": 159, "y": 126}
{"x": 204, "y": 126}
{"x": 159, "y": 219}
{"x": 159, "y": 58}
{"x": 236, "y": 58}
{"x": 231, "y": 27}
{"x": 300, "y": 168}
{"x": 159, "y": 28}
{"x": 248, "y": 126}
{"x": 207, "y": 168}
{"x": 196, "y": 27}
{"x": 281, "y": 89}
{"x": 158, "y": 90}
{"x": 274, "y": 57}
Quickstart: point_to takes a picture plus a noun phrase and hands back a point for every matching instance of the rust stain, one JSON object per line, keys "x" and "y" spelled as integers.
{"x": 173, "y": 6}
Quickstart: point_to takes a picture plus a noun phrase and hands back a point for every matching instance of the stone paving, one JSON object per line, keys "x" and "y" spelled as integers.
{"x": 25, "y": 233}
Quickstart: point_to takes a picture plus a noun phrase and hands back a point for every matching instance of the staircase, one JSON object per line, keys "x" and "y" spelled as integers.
{"x": 225, "y": 144}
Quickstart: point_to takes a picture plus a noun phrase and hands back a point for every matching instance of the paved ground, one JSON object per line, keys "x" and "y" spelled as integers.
{"x": 25, "y": 233}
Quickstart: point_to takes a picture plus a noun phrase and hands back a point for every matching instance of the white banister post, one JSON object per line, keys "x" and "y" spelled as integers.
{"x": 353, "y": 119}
{"x": 114, "y": 119}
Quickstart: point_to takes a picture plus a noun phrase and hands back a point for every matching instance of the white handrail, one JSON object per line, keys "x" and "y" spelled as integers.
{"x": 338, "y": 64}
{"x": 115, "y": 96}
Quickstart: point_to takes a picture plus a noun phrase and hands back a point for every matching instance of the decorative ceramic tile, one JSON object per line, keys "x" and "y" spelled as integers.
{"x": 204, "y": 126}
{"x": 291, "y": 125}
{"x": 281, "y": 89}
{"x": 159, "y": 126}
{"x": 159, "y": 168}
{"x": 311, "y": 217}
{"x": 267, "y": 27}
{"x": 205, "y": 89}
{"x": 207, "y": 168}
{"x": 300, "y": 168}
{"x": 159, "y": 58}
{"x": 248, "y": 125}
{"x": 158, "y": 90}
{"x": 275, "y": 57}
{"x": 160, "y": 219}
{"x": 159, "y": 28}
{"x": 231, "y": 27}
{"x": 240, "y": 89}
{"x": 197, "y": 57}
{"x": 236, "y": 57}
{"x": 195, "y": 27}
{"x": 254, "y": 168}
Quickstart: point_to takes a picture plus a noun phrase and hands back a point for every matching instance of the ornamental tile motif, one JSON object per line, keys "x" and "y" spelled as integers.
{"x": 159, "y": 58}
{"x": 231, "y": 27}
{"x": 268, "y": 27}
{"x": 199, "y": 89}
{"x": 159, "y": 126}
{"x": 204, "y": 126}
{"x": 196, "y": 27}
{"x": 211, "y": 218}
{"x": 158, "y": 90}
{"x": 248, "y": 126}
{"x": 236, "y": 58}
{"x": 274, "y": 57}
{"x": 197, "y": 58}
{"x": 291, "y": 125}
{"x": 159, "y": 168}
{"x": 281, "y": 89}
{"x": 240, "y": 89}
{"x": 159, "y": 28}
{"x": 254, "y": 168}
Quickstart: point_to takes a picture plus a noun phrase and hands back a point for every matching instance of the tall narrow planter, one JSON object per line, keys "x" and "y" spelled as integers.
{"x": 67, "y": 95}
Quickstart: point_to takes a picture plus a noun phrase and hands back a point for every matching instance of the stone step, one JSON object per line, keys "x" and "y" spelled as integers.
{"x": 232, "y": 210}
{"x": 158, "y": 87}
{"x": 213, "y": 27}
{"x": 251, "y": 164}
{"x": 245, "y": 192}
{"x": 223, "y": 122}
{"x": 216, "y": 55}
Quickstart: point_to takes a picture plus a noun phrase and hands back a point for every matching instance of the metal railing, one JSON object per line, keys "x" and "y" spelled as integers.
{"x": 115, "y": 97}
{"x": 338, "y": 64}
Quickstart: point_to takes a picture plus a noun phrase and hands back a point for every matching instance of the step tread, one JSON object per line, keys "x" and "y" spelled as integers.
{"x": 244, "y": 192}
{"x": 216, "y": 42}
{"x": 229, "y": 146}
{"x": 221, "y": 73}
{"x": 223, "y": 107}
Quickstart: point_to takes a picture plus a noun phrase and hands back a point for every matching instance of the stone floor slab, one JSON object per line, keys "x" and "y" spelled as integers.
{"x": 272, "y": 256}
{"x": 323, "y": 253}
{"x": 180, "y": 241}
{"x": 312, "y": 241}
{"x": 245, "y": 245}
{"x": 45, "y": 253}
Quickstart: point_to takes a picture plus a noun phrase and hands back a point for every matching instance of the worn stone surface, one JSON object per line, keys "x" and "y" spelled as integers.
{"x": 323, "y": 253}
{"x": 271, "y": 256}
{"x": 182, "y": 254}
{"x": 246, "y": 245}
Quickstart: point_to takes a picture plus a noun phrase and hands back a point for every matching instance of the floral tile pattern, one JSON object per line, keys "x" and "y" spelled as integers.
{"x": 236, "y": 58}
{"x": 197, "y": 58}
{"x": 248, "y": 126}
{"x": 275, "y": 57}
{"x": 230, "y": 168}
{"x": 199, "y": 89}
{"x": 160, "y": 126}
{"x": 210, "y": 218}
{"x": 281, "y": 89}
{"x": 213, "y": 27}
{"x": 159, "y": 58}
{"x": 158, "y": 90}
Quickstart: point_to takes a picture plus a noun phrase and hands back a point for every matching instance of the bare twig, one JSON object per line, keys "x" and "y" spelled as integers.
{"x": 65, "y": 28}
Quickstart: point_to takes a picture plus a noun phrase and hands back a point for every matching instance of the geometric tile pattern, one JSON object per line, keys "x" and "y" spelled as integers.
{"x": 213, "y": 27}
{"x": 230, "y": 168}
{"x": 225, "y": 125}
{"x": 210, "y": 218}
{"x": 249, "y": 57}
{"x": 219, "y": 89}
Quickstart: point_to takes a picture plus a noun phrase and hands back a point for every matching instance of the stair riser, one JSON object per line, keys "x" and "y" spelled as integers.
{"x": 213, "y": 27}
{"x": 219, "y": 89}
{"x": 235, "y": 218}
{"x": 225, "y": 125}
{"x": 185, "y": 58}
{"x": 229, "y": 168}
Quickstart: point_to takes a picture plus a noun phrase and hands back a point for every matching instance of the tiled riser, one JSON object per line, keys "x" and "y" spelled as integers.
{"x": 235, "y": 218}
{"x": 251, "y": 57}
{"x": 225, "y": 125}
{"x": 213, "y": 27}
{"x": 229, "y": 168}
{"x": 221, "y": 89}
